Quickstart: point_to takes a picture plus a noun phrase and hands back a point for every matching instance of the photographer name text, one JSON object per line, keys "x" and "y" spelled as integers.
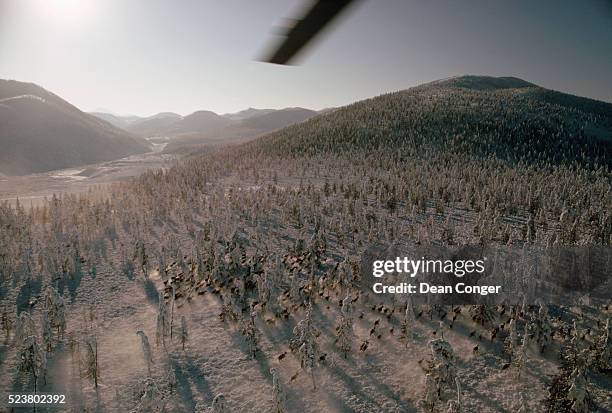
{"x": 410, "y": 267}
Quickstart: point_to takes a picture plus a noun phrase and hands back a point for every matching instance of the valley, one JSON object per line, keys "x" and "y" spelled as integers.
{"x": 232, "y": 279}
{"x": 33, "y": 189}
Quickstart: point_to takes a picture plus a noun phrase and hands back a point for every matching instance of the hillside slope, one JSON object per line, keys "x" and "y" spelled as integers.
{"x": 481, "y": 116}
{"x": 39, "y": 132}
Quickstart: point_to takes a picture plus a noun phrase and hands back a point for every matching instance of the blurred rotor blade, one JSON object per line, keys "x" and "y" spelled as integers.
{"x": 305, "y": 29}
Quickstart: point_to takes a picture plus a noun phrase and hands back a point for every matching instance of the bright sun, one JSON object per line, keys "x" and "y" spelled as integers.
{"x": 66, "y": 10}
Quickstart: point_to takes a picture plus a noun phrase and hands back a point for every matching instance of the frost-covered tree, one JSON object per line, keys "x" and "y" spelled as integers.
{"x": 512, "y": 339}
{"x": 308, "y": 354}
{"x": 407, "y": 323}
{"x": 431, "y": 394}
{"x": 251, "y": 334}
{"x": 453, "y": 407}
{"x": 520, "y": 357}
{"x": 278, "y": 393}
{"x": 32, "y": 359}
{"x": 6, "y": 322}
{"x": 55, "y": 310}
{"x": 344, "y": 336}
{"x": 304, "y": 330}
{"x": 146, "y": 350}
{"x": 219, "y": 405}
{"x": 542, "y": 328}
{"x": 170, "y": 377}
{"x": 25, "y": 327}
{"x": 458, "y": 384}
{"x": 522, "y": 405}
{"x": 264, "y": 287}
{"x": 443, "y": 364}
{"x": 172, "y": 305}
{"x": 150, "y": 398}
{"x": 441, "y": 372}
{"x": 184, "y": 333}
{"x": 162, "y": 323}
{"x": 47, "y": 332}
{"x": 482, "y": 314}
{"x": 126, "y": 265}
{"x": 347, "y": 307}
{"x": 344, "y": 328}
{"x": 602, "y": 357}
{"x": 89, "y": 359}
{"x": 140, "y": 256}
{"x": 578, "y": 394}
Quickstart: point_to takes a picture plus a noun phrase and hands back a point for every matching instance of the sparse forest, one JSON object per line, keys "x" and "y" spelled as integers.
{"x": 231, "y": 282}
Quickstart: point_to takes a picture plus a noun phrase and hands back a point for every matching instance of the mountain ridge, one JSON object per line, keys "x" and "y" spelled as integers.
{"x": 40, "y": 131}
{"x": 509, "y": 118}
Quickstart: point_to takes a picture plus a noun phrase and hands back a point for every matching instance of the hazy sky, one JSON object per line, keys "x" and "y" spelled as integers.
{"x": 147, "y": 56}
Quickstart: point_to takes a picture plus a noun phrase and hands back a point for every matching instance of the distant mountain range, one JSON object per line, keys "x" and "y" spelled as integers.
{"x": 248, "y": 113}
{"x": 117, "y": 120}
{"x": 516, "y": 120}
{"x": 39, "y": 132}
{"x": 241, "y": 130}
{"x": 201, "y": 121}
{"x": 155, "y": 125}
{"x": 206, "y": 127}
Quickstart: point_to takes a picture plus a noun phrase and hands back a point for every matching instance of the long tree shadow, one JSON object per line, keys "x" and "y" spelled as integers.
{"x": 4, "y": 347}
{"x": 264, "y": 366}
{"x": 279, "y": 332}
{"x": 380, "y": 386}
{"x": 353, "y": 385}
{"x": 339, "y": 403}
{"x": 260, "y": 357}
{"x": 71, "y": 281}
{"x": 492, "y": 403}
{"x": 151, "y": 291}
{"x": 4, "y": 288}
{"x": 188, "y": 373}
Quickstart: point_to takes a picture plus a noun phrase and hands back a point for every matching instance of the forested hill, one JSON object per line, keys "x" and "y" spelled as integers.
{"x": 507, "y": 118}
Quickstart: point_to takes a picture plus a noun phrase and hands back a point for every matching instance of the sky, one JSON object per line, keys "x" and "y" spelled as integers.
{"x": 146, "y": 56}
